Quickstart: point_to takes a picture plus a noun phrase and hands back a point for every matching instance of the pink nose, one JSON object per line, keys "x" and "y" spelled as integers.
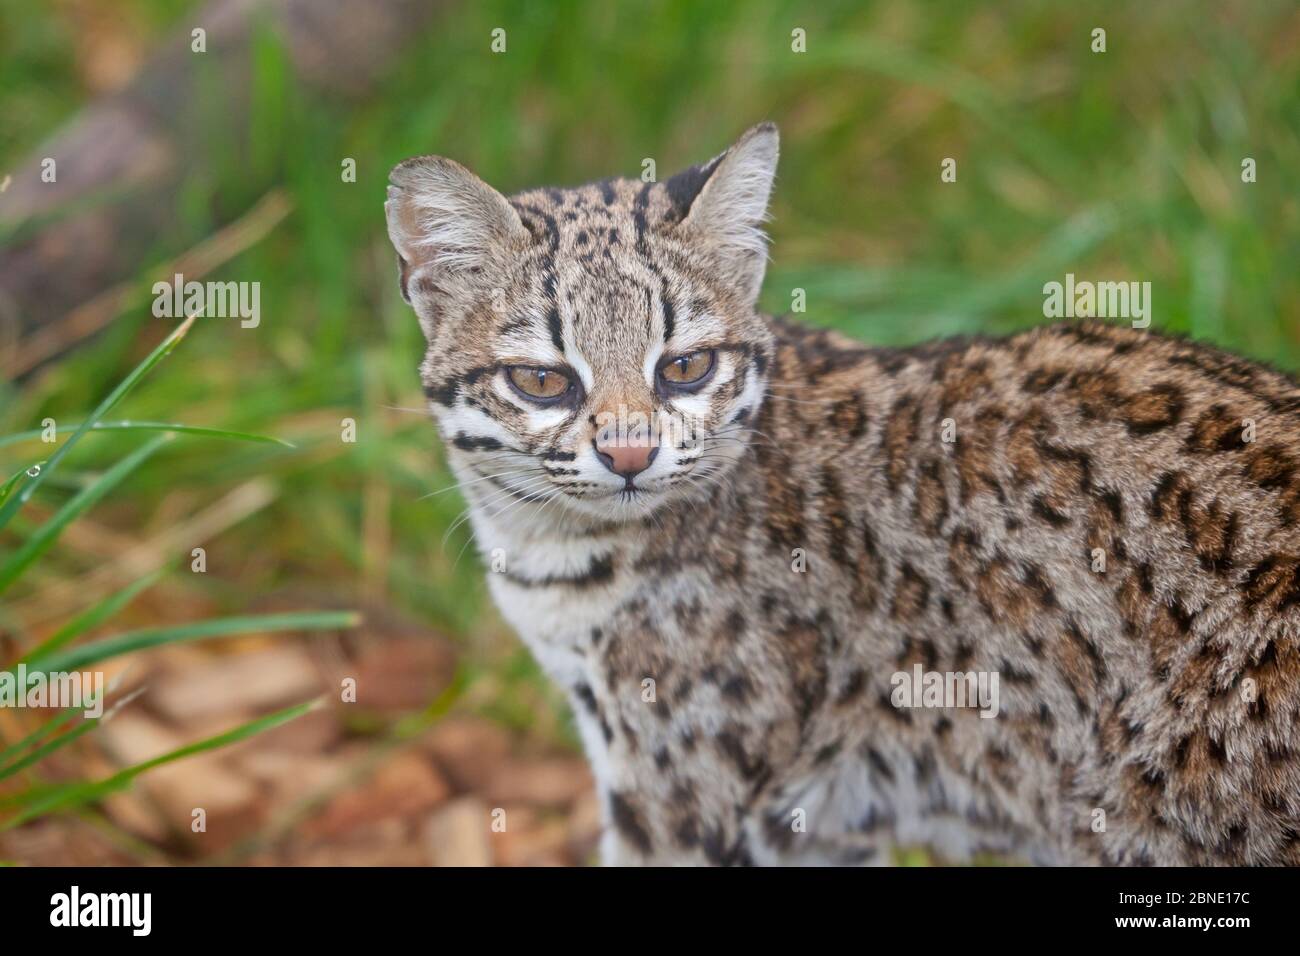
{"x": 623, "y": 457}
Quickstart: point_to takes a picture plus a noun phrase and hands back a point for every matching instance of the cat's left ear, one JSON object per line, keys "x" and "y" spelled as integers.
{"x": 727, "y": 206}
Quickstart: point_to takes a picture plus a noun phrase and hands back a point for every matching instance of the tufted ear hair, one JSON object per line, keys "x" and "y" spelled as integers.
{"x": 729, "y": 206}
{"x": 453, "y": 233}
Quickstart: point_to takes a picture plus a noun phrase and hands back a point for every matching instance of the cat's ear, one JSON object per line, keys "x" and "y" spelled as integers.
{"x": 453, "y": 233}
{"x": 729, "y": 204}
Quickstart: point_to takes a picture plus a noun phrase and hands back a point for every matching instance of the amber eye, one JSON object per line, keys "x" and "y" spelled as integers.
{"x": 541, "y": 384}
{"x": 688, "y": 369}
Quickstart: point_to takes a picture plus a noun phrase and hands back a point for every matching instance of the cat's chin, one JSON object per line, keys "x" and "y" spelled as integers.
{"x": 620, "y": 506}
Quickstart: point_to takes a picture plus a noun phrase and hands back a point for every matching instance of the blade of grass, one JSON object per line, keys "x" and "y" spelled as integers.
{"x": 87, "y": 724}
{"x": 40, "y": 753}
{"x": 77, "y": 657}
{"x": 92, "y": 617}
{"x": 7, "y": 488}
{"x": 35, "y": 433}
{"x": 399, "y": 735}
{"x": 77, "y": 794}
{"x": 34, "y": 738}
{"x": 16, "y": 501}
{"x": 48, "y": 533}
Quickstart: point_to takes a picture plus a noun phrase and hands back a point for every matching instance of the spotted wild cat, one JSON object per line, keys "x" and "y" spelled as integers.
{"x": 1106, "y": 519}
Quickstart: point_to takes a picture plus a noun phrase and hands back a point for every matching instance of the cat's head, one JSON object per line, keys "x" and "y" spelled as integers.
{"x": 597, "y": 348}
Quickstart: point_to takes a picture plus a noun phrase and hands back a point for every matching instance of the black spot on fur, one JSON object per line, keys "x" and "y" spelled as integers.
{"x": 1049, "y": 514}
{"x": 476, "y": 442}
{"x": 599, "y": 571}
{"x": 627, "y": 820}
{"x": 879, "y": 765}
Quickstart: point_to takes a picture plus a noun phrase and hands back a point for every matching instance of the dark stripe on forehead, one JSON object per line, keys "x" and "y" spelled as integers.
{"x": 643, "y": 248}
{"x": 638, "y": 214}
{"x": 670, "y": 316}
{"x": 555, "y": 327}
{"x": 553, "y": 324}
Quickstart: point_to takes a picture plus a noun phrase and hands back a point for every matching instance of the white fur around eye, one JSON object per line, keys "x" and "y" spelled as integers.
{"x": 540, "y": 419}
{"x": 752, "y": 394}
{"x": 651, "y": 366}
{"x": 580, "y": 365}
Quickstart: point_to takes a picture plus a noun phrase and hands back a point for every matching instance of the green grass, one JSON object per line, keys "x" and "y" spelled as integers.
{"x": 53, "y": 654}
{"x": 1122, "y": 165}
{"x": 41, "y": 801}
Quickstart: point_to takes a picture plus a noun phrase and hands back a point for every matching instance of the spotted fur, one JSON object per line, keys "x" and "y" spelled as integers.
{"x": 728, "y": 631}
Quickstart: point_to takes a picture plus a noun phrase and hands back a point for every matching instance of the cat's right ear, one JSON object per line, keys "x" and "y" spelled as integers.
{"x": 453, "y": 234}
{"x": 727, "y": 205}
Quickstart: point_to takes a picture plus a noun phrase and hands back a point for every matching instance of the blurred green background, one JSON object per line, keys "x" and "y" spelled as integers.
{"x": 1117, "y": 165}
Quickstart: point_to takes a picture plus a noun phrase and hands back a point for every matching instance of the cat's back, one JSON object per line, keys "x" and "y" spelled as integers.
{"x": 1106, "y": 515}
{"x": 1059, "y": 419}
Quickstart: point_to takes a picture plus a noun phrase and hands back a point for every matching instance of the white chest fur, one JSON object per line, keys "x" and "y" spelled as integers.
{"x": 555, "y": 620}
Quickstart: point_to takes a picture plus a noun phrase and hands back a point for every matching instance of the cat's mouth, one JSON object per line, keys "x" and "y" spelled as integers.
{"x": 630, "y": 502}
{"x": 630, "y": 493}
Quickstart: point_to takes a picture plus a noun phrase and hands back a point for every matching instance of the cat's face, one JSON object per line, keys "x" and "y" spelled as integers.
{"x": 594, "y": 349}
